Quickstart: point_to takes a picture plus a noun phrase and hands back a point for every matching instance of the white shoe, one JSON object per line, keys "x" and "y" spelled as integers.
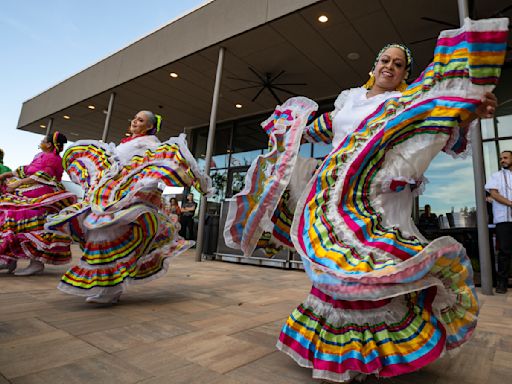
{"x": 33, "y": 268}
{"x": 10, "y": 266}
{"x": 104, "y": 299}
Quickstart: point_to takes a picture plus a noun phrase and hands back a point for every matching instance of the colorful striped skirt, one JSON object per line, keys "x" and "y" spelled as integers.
{"x": 22, "y": 220}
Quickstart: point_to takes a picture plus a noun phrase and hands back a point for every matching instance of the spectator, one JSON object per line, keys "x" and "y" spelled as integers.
{"x": 188, "y": 210}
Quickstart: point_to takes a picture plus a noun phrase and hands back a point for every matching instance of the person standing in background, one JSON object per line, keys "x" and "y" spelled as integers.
{"x": 188, "y": 209}
{"x": 499, "y": 187}
{"x": 428, "y": 220}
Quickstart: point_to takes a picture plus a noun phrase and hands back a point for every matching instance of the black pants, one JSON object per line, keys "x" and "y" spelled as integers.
{"x": 187, "y": 227}
{"x": 504, "y": 238}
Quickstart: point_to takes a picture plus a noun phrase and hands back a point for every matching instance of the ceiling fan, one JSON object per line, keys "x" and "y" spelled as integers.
{"x": 472, "y": 14}
{"x": 266, "y": 81}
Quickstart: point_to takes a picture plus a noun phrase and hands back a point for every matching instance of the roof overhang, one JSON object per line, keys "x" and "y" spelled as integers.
{"x": 262, "y": 36}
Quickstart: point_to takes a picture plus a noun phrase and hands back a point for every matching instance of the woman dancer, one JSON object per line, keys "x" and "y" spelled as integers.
{"x": 29, "y": 195}
{"x": 123, "y": 236}
{"x": 384, "y": 300}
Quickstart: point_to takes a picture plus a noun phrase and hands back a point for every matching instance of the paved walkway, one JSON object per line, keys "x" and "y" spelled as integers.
{"x": 205, "y": 323}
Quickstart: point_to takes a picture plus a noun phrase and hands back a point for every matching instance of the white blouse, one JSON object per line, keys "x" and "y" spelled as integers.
{"x": 125, "y": 151}
{"x": 351, "y": 107}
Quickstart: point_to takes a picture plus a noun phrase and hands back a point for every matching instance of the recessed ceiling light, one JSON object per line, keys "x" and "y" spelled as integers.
{"x": 66, "y": 117}
{"x": 91, "y": 107}
{"x": 173, "y": 74}
{"x": 42, "y": 126}
{"x": 323, "y": 19}
{"x": 238, "y": 106}
{"x": 353, "y": 56}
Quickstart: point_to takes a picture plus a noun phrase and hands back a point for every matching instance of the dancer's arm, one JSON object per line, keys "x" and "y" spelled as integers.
{"x": 5, "y": 175}
{"x": 320, "y": 130}
{"x": 485, "y": 110}
{"x": 26, "y": 181}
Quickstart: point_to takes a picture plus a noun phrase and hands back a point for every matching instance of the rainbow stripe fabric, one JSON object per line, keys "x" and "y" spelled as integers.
{"x": 260, "y": 207}
{"x": 123, "y": 236}
{"x": 23, "y": 215}
{"x": 384, "y": 302}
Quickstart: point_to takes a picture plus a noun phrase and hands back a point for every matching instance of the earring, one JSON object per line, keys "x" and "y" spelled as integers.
{"x": 402, "y": 87}
{"x": 370, "y": 82}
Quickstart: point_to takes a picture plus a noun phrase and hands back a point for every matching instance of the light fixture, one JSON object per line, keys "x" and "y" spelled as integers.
{"x": 42, "y": 126}
{"x": 323, "y": 19}
{"x": 91, "y": 107}
{"x": 173, "y": 74}
{"x": 353, "y": 55}
{"x": 238, "y": 106}
{"x": 66, "y": 117}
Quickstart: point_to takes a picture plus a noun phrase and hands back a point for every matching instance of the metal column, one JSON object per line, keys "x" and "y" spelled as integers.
{"x": 107, "y": 118}
{"x": 49, "y": 126}
{"x": 209, "y": 151}
{"x": 481, "y": 208}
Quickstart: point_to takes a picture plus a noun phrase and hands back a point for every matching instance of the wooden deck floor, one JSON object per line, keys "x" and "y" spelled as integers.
{"x": 207, "y": 323}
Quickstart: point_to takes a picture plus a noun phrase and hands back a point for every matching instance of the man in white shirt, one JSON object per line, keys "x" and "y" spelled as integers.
{"x": 500, "y": 188}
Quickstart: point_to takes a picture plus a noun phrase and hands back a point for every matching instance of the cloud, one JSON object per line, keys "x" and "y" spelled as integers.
{"x": 451, "y": 184}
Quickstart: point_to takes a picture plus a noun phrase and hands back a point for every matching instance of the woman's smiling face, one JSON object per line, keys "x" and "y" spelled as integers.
{"x": 140, "y": 124}
{"x": 390, "y": 69}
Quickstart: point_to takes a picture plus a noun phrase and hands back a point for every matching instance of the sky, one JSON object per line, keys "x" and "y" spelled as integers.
{"x": 45, "y": 42}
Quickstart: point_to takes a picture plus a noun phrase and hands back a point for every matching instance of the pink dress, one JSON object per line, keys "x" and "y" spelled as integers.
{"x": 23, "y": 213}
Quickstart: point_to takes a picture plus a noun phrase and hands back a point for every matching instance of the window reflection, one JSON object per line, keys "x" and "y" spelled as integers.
{"x": 504, "y": 126}
{"x": 320, "y": 150}
{"x": 305, "y": 150}
{"x": 490, "y": 158}
{"x": 450, "y": 184}
{"x": 236, "y": 181}
{"x": 244, "y": 158}
{"x": 219, "y": 182}
{"x": 487, "y": 129}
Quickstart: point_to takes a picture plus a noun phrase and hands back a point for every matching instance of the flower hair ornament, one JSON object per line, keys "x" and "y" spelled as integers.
{"x": 408, "y": 65}
{"x": 158, "y": 122}
{"x": 156, "y": 125}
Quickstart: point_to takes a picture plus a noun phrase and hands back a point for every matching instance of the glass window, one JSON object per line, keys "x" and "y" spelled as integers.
{"x": 320, "y": 150}
{"x": 248, "y": 136}
{"x": 237, "y": 180}
{"x": 219, "y": 182}
{"x": 451, "y": 185}
{"x": 305, "y": 150}
{"x": 220, "y": 148}
{"x": 505, "y": 145}
{"x": 487, "y": 129}
{"x": 490, "y": 158}
{"x": 200, "y": 139}
{"x": 219, "y": 161}
{"x": 504, "y": 126}
{"x": 241, "y": 159}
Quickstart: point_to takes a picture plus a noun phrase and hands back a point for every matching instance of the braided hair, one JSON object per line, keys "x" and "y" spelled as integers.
{"x": 58, "y": 140}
